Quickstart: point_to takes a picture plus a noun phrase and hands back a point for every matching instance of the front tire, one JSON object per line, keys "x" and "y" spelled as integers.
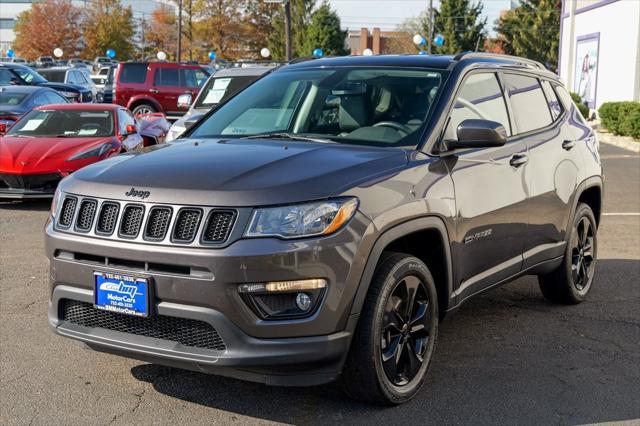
{"x": 571, "y": 282}
{"x": 396, "y": 335}
{"x": 143, "y": 109}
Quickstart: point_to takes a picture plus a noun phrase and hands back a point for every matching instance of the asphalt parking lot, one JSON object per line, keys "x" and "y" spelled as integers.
{"x": 506, "y": 357}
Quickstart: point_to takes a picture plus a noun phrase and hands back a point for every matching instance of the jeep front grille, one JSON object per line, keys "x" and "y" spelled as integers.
{"x": 85, "y": 215}
{"x": 218, "y": 226}
{"x": 107, "y": 218}
{"x": 158, "y": 223}
{"x": 131, "y": 220}
{"x": 187, "y": 332}
{"x": 67, "y": 211}
{"x": 186, "y": 225}
{"x": 148, "y": 223}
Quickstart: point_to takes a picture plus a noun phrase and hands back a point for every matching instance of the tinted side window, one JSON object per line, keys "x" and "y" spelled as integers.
{"x": 554, "y": 104}
{"x": 133, "y": 73}
{"x": 5, "y": 77}
{"x": 528, "y": 102}
{"x": 40, "y": 99}
{"x": 479, "y": 97}
{"x": 166, "y": 77}
{"x": 188, "y": 78}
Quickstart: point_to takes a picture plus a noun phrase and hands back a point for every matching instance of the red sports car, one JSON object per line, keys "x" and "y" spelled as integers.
{"x": 52, "y": 141}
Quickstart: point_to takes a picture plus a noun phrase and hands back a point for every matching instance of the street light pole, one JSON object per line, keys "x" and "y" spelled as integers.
{"x": 179, "y": 53}
{"x": 287, "y": 28}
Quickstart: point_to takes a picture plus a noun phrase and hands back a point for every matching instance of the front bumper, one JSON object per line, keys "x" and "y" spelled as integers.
{"x": 28, "y": 186}
{"x": 284, "y": 352}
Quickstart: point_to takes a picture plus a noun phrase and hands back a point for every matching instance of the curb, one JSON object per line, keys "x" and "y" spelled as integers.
{"x": 619, "y": 141}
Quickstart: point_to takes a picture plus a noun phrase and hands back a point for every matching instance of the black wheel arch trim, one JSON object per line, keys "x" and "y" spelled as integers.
{"x": 390, "y": 235}
{"x": 590, "y": 182}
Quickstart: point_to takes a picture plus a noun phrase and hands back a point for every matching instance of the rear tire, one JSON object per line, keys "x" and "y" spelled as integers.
{"x": 143, "y": 108}
{"x": 571, "y": 282}
{"x": 396, "y": 335}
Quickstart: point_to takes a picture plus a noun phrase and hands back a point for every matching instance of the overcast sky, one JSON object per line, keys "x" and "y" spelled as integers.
{"x": 388, "y": 14}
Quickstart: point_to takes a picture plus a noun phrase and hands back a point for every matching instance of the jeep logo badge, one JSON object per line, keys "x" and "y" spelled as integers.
{"x": 139, "y": 194}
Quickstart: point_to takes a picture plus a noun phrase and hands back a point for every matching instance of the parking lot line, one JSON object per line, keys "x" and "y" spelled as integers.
{"x": 622, "y": 214}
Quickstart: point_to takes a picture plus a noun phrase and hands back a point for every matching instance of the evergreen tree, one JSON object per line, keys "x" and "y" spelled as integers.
{"x": 532, "y": 30}
{"x": 301, "y": 12}
{"x": 324, "y": 32}
{"x": 461, "y": 25}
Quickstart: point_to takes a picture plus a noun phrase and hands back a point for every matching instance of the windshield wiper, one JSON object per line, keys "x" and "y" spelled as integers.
{"x": 285, "y": 135}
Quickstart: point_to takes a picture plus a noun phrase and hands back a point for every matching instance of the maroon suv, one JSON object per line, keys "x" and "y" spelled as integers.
{"x": 147, "y": 87}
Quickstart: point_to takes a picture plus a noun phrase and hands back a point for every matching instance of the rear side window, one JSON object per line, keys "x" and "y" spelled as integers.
{"x": 529, "y": 105}
{"x": 166, "y": 77}
{"x": 554, "y": 104}
{"x": 479, "y": 98}
{"x": 133, "y": 73}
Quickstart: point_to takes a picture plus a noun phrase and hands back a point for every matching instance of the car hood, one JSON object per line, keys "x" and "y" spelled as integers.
{"x": 237, "y": 172}
{"x": 34, "y": 155}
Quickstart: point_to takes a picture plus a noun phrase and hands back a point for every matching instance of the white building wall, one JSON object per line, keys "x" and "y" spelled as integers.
{"x": 617, "y": 24}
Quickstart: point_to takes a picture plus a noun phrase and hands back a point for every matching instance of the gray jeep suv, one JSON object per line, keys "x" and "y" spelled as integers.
{"x": 321, "y": 222}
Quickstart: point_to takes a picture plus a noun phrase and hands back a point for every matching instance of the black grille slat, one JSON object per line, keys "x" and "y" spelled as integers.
{"x": 187, "y": 332}
{"x": 107, "y": 218}
{"x": 66, "y": 211}
{"x": 218, "y": 226}
{"x": 186, "y": 225}
{"x": 86, "y": 213}
{"x": 158, "y": 223}
{"x": 131, "y": 222}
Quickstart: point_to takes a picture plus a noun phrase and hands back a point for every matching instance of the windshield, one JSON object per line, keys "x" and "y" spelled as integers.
{"x": 57, "y": 76}
{"x": 219, "y": 89}
{"x": 11, "y": 99}
{"x": 30, "y": 76}
{"x": 367, "y": 106}
{"x": 65, "y": 123}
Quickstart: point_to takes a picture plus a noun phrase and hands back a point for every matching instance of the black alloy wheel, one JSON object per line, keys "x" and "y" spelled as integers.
{"x": 405, "y": 330}
{"x": 582, "y": 263}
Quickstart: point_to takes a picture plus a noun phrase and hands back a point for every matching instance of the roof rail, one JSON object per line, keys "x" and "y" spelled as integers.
{"x": 301, "y": 59}
{"x": 517, "y": 59}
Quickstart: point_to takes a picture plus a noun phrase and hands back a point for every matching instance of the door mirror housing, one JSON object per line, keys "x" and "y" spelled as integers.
{"x": 184, "y": 101}
{"x": 3, "y": 128}
{"x": 478, "y": 133}
{"x": 131, "y": 129}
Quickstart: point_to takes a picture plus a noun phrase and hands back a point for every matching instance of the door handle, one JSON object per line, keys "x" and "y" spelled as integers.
{"x": 568, "y": 145}
{"x": 154, "y": 91}
{"x": 518, "y": 160}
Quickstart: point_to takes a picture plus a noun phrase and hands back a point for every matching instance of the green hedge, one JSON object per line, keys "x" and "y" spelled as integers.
{"x": 621, "y": 118}
{"x": 584, "y": 110}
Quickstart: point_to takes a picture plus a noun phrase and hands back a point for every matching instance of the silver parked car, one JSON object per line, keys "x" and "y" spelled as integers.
{"x": 218, "y": 88}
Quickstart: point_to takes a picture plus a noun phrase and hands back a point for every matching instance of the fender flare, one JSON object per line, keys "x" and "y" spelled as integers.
{"x": 590, "y": 182}
{"x": 392, "y": 234}
{"x": 146, "y": 99}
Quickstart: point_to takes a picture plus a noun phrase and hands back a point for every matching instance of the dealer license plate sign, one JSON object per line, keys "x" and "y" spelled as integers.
{"x": 123, "y": 294}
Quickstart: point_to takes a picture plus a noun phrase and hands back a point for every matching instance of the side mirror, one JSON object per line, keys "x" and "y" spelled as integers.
{"x": 3, "y": 128}
{"x": 131, "y": 129}
{"x": 477, "y": 133}
{"x": 184, "y": 101}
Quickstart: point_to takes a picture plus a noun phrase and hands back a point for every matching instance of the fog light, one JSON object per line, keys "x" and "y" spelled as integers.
{"x": 303, "y": 301}
{"x": 284, "y": 299}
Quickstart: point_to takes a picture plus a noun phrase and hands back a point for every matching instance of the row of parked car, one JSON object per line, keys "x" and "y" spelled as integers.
{"x": 57, "y": 116}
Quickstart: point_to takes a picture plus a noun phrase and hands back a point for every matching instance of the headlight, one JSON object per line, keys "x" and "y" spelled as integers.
{"x": 93, "y": 152}
{"x": 55, "y": 201}
{"x": 302, "y": 220}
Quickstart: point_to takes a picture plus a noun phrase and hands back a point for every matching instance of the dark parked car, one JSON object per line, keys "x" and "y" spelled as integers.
{"x": 322, "y": 221}
{"x": 71, "y": 75}
{"x": 146, "y": 87}
{"x": 15, "y": 101}
{"x": 21, "y": 75}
